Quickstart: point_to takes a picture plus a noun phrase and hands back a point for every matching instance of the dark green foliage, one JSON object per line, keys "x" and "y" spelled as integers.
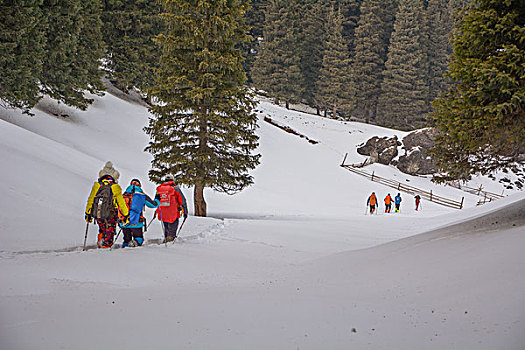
{"x": 277, "y": 68}
{"x": 482, "y": 117}
{"x": 255, "y": 22}
{"x": 371, "y": 43}
{"x": 333, "y": 85}
{"x": 437, "y": 47}
{"x": 403, "y": 99}
{"x": 129, "y": 29}
{"x": 21, "y": 51}
{"x": 203, "y": 130}
{"x": 72, "y": 51}
{"x": 350, "y": 12}
{"x": 307, "y": 45}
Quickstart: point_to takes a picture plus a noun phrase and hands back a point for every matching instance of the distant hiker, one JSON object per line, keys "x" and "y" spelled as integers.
{"x": 397, "y": 202}
{"x": 135, "y": 199}
{"x": 102, "y": 204}
{"x": 372, "y": 202}
{"x": 418, "y": 200}
{"x": 172, "y": 205}
{"x": 388, "y": 203}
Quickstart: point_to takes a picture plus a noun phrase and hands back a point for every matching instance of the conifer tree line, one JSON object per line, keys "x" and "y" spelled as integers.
{"x": 379, "y": 60}
{"x": 58, "y": 47}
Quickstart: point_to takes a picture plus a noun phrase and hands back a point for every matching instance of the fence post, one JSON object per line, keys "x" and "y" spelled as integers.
{"x": 372, "y": 179}
{"x": 462, "y": 199}
{"x": 431, "y": 195}
{"x": 398, "y": 185}
{"x": 343, "y": 163}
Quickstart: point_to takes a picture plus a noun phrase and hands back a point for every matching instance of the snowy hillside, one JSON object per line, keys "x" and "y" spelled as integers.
{"x": 291, "y": 262}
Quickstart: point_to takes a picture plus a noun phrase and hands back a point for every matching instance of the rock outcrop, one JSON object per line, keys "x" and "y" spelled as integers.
{"x": 415, "y": 160}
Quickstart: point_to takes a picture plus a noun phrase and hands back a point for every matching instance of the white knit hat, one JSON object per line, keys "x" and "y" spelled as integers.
{"x": 109, "y": 170}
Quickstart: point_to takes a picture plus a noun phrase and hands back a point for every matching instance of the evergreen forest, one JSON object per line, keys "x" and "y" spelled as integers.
{"x": 457, "y": 65}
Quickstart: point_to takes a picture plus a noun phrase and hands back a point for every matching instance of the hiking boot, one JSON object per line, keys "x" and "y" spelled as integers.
{"x": 169, "y": 239}
{"x": 132, "y": 243}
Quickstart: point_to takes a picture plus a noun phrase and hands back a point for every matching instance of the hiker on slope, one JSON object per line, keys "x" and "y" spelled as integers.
{"x": 388, "y": 203}
{"x": 172, "y": 205}
{"x": 418, "y": 201}
{"x": 135, "y": 199}
{"x": 102, "y": 204}
{"x": 372, "y": 202}
{"x": 397, "y": 202}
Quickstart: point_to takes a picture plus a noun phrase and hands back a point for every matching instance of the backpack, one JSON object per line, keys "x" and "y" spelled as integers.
{"x": 135, "y": 202}
{"x": 103, "y": 206}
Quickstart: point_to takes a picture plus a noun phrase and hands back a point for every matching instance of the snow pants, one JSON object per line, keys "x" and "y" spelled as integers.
{"x": 106, "y": 232}
{"x": 170, "y": 228}
{"x": 372, "y": 208}
{"x": 132, "y": 232}
{"x": 388, "y": 207}
{"x": 397, "y": 207}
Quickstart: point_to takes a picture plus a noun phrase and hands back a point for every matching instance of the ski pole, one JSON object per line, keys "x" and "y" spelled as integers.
{"x": 115, "y": 240}
{"x": 180, "y": 229}
{"x": 85, "y": 236}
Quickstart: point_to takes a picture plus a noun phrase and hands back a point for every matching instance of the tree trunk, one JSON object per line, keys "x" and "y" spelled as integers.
{"x": 198, "y": 199}
{"x": 318, "y": 111}
{"x": 276, "y": 101}
{"x": 287, "y": 105}
{"x": 334, "y": 112}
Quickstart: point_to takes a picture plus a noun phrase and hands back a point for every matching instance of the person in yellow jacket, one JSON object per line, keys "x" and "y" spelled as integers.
{"x": 106, "y": 189}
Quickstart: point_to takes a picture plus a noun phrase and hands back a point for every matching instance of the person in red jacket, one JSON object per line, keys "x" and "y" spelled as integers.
{"x": 172, "y": 205}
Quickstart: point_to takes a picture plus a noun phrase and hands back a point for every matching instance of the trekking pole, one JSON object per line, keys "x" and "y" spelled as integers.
{"x": 85, "y": 236}
{"x": 180, "y": 229}
{"x": 115, "y": 240}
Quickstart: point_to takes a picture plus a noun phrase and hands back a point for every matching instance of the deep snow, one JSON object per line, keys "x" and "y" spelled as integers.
{"x": 291, "y": 262}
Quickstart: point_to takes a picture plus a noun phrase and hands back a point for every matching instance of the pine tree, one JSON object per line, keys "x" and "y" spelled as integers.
{"x": 203, "y": 129}
{"x": 277, "y": 67}
{"x": 482, "y": 117}
{"x": 371, "y": 43}
{"x": 255, "y": 21}
{"x": 21, "y": 52}
{"x": 333, "y": 83}
{"x": 307, "y": 46}
{"x": 129, "y": 29}
{"x": 436, "y": 45}
{"x": 73, "y": 50}
{"x": 403, "y": 96}
{"x": 350, "y": 12}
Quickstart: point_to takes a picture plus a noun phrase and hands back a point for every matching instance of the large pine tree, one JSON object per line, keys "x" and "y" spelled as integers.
{"x": 203, "y": 129}
{"x": 22, "y": 43}
{"x": 403, "y": 92}
{"x": 333, "y": 85}
{"x": 368, "y": 63}
{"x": 481, "y": 118}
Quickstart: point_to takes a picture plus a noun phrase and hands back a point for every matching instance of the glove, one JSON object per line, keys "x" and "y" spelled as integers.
{"x": 88, "y": 218}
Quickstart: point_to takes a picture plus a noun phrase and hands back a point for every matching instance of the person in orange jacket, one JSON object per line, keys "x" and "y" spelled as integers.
{"x": 106, "y": 217}
{"x": 388, "y": 203}
{"x": 372, "y": 202}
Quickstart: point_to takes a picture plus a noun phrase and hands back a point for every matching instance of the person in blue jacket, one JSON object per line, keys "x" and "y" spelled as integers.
{"x": 136, "y": 200}
{"x": 397, "y": 202}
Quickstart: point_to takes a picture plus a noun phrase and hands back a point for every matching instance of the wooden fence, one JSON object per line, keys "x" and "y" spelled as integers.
{"x": 407, "y": 189}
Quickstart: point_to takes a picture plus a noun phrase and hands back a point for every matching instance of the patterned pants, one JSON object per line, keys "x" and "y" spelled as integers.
{"x": 106, "y": 232}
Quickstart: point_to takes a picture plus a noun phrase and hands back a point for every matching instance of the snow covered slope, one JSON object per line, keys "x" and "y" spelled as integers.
{"x": 291, "y": 262}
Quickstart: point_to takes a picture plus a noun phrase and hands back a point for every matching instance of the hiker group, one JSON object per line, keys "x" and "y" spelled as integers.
{"x": 372, "y": 203}
{"x": 108, "y": 206}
